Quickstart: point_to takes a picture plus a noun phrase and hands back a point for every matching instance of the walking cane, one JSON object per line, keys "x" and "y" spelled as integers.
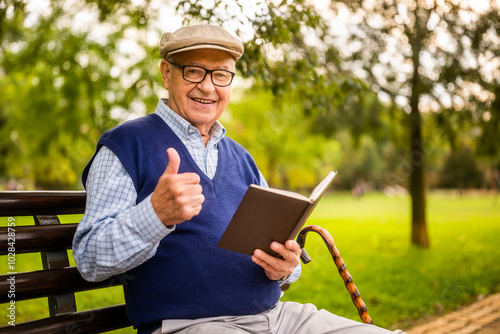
{"x": 349, "y": 284}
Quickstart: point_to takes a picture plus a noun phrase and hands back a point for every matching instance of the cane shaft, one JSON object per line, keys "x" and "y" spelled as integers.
{"x": 339, "y": 263}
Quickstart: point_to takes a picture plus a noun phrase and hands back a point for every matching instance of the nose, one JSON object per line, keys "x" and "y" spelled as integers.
{"x": 207, "y": 86}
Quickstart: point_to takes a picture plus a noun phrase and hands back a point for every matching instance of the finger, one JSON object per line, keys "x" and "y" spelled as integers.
{"x": 271, "y": 272}
{"x": 197, "y": 210}
{"x": 188, "y": 207}
{"x": 187, "y": 201}
{"x": 293, "y": 246}
{"x": 173, "y": 162}
{"x": 262, "y": 263}
{"x": 269, "y": 260}
{"x": 191, "y": 212}
{"x": 187, "y": 178}
{"x": 288, "y": 254}
{"x": 197, "y": 200}
{"x": 278, "y": 248}
{"x": 192, "y": 188}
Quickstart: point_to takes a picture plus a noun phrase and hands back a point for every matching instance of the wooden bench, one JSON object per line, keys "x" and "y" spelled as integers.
{"x": 58, "y": 281}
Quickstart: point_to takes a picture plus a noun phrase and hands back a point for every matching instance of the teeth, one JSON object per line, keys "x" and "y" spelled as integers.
{"x": 202, "y": 101}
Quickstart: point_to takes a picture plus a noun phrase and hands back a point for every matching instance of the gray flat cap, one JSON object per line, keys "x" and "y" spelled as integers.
{"x": 200, "y": 37}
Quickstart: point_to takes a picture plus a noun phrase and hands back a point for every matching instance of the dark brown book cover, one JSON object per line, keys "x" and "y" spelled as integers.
{"x": 266, "y": 215}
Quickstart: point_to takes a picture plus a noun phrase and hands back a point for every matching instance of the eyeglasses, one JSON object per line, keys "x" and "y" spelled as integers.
{"x": 197, "y": 74}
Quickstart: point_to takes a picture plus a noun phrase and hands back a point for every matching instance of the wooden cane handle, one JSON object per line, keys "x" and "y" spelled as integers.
{"x": 349, "y": 284}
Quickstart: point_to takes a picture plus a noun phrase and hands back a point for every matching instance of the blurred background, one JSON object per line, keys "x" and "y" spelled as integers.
{"x": 400, "y": 97}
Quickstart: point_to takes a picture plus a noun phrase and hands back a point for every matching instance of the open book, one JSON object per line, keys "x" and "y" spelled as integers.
{"x": 267, "y": 214}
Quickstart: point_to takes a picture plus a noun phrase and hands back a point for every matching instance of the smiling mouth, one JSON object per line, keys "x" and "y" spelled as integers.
{"x": 203, "y": 101}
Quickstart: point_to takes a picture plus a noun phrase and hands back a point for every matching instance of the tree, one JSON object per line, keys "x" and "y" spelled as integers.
{"x": 460, "y": 170}
{"x": 65, "y": 83}
{"x": 287, "y": 52}
{"x": 426, "y": 56}
{"x": 286, "y": 151}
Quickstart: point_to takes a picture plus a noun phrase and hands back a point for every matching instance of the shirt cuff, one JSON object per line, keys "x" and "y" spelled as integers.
{"x": 148, "y": 223}
{"x": 294, "y": 276}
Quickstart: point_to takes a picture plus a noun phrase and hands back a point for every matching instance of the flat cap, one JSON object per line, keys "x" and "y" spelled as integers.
{"x": 204, "y": 36}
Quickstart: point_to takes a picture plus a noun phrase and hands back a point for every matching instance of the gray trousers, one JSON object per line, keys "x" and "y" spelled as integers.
{"x": 284, "y": 318}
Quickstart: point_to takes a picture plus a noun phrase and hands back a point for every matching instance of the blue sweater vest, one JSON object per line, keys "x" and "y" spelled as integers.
{"x": 189, "y": 277}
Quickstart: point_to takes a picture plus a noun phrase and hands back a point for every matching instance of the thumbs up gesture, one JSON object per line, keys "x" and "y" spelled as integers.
{"x": 177, "y": 197}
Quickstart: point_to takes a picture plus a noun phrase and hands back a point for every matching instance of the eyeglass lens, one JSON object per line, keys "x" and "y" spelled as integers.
{"x": 197, "y": 74}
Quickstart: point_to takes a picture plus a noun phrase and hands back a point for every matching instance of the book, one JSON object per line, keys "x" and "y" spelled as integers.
{"x": 268, "y": 214}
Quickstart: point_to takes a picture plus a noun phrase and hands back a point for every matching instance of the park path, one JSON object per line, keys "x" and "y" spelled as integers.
{"x": 481, "y": 317}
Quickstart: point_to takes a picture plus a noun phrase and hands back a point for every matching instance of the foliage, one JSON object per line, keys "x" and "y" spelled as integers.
{"x": 460, "y": 170}
{"x": 487, "y": 142}
{"x": 366, "y": 164}
{"x": 289, "y": 154}
{"x": 431, "y": 56}
{"x": 449, "y": 45}
{"x": 65, "y": 84}
{"x": 287, "y": 53}
{"x": 77, "y": 80}
{"x": 295, "y": 154}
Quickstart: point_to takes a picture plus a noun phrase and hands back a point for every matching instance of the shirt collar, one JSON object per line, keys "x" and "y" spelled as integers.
{"x": 182, "y": 128}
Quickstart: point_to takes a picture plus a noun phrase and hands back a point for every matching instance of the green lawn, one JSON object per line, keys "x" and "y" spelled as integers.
{"x": 399, "y": 283}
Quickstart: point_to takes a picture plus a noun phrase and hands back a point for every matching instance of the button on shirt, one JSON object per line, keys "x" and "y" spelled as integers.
{"x": 115, "y": 234}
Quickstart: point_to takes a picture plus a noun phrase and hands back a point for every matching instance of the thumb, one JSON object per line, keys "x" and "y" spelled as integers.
{"x": 173, "y": 162}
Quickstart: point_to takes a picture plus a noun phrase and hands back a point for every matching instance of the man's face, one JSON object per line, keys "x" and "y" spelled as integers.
{"x": 201, "y": 104}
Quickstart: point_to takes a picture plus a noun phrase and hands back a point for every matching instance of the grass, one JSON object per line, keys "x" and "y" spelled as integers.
{"x": 400, "y": 284}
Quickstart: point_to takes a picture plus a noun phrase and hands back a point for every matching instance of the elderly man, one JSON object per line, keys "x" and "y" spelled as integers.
{"x": 161, "y": 190}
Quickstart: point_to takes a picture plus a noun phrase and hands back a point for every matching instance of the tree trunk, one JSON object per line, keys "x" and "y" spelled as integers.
{"x": 417, "y": 155}
{"x": 417, "y": 183}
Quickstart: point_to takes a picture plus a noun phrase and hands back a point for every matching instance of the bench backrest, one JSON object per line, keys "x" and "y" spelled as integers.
{"x": 58, "y": 281}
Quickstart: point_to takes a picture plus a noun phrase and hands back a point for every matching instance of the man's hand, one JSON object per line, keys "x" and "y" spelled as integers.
{"x": 177, "y": 197}
{"x": 274, "y": 267}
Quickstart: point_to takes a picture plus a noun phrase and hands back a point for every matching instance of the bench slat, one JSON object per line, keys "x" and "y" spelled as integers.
{"x": 43, "y": 283}
{"x": 30, "y": 239}
{"x": 92, "y": 321}
{"x": 30, "y": 203}
{"x": 58, "y": 282}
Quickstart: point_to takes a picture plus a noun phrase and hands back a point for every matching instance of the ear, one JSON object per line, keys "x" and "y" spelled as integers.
{"x": 165, "y": 69}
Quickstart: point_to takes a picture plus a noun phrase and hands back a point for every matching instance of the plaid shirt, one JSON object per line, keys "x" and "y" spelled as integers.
{"x": 115, "y": 234}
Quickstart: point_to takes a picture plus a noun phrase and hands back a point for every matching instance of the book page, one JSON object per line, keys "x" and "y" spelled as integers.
{"x": 282, "y": 192}
{"x": 321, "y": 187}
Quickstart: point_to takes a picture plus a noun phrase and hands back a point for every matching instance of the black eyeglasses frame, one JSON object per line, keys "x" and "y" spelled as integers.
{"x": 207, "y": 71}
